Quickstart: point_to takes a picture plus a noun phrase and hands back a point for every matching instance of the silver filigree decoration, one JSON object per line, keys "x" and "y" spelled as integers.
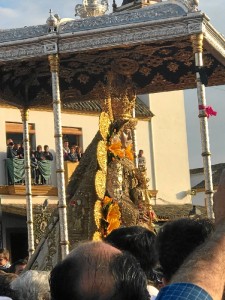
{"x": 91, "y": 8}
{"x": 146, "y": 14}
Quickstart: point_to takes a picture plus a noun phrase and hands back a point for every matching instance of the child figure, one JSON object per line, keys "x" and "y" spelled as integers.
{"x": 4, "y": 259}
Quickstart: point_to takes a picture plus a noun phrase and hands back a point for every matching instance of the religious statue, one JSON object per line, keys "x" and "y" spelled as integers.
{"x": 106, "y": 183}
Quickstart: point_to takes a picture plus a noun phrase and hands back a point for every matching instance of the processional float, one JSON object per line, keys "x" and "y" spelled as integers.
{"x": 160, "y": 47}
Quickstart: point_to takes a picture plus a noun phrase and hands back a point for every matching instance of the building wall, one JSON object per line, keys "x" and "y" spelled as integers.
{"x": 169, "y": 165}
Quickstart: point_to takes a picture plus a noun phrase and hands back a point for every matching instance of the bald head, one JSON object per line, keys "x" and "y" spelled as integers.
{"x": 90, "y": 273}
{"x": 94, "y": 275}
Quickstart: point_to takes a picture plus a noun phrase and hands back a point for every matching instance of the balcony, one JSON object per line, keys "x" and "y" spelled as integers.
{"x": 15, "y": 178}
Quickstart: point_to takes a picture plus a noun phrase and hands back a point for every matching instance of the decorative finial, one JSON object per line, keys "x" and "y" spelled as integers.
{"x": 192, "y": 5}
{"x": 52, "y": 22}
{"x": 195, "y": 4}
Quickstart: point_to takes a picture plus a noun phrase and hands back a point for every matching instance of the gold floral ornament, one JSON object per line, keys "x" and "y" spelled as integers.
{"x": 97, "y": 236}
{"x": 102, "y": 156}
{"x": 100, "y": 184}
{"x": 107, "y": 217}
{"x": 116, "y": 149}
{"x": 98, "y": 213}
{"x": 129, "y": 152}
{"x": 113, "y": 217}
{"x": 104, "y": 123}
{"x": 110, "y": 215}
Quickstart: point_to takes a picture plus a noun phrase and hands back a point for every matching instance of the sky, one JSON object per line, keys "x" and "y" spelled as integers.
{"x": 19, "y": 13}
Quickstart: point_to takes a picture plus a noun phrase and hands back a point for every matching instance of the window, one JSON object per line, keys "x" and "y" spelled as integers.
{"x": 73, "y": 135}
{"x": 14, "y": 131}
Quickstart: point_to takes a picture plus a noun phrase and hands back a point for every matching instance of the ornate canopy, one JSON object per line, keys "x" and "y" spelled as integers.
{"x": 151, "y": 45}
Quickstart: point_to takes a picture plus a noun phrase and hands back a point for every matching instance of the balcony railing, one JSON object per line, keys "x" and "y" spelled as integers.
{"x": 15, "y": 178}
{"x": 15, "y": 171}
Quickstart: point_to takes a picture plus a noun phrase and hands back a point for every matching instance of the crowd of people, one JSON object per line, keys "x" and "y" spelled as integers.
{"x": 185, "y": 260}
{"x": 16, "y": 151}
{"x": 71, "y": 153}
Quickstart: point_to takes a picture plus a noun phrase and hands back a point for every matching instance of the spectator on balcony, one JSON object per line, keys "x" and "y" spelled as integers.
{"x": 79, "y": 152}
{"x": 20, "y": 151}
{"x": 34, "y": 166}
{"x": 48, "y": 155}
{"x": 39, "y": 155}
{"x": 11, "y": 152}
{"x": 9, "y": 141}
{"x": 66, "y": 150}
{"x": 16, "y": 148}
{"x": 72, "y": 156}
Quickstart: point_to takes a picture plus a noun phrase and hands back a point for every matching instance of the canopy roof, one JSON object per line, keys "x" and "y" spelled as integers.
{"x": 152, "y": 45}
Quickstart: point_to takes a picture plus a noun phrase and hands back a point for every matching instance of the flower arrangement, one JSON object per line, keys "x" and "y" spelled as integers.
{"x": 107, "y": 216}
{"x": 115, "y": 150}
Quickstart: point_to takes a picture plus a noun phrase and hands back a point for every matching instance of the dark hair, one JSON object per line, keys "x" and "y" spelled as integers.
{"x": 95, "y": 275}
{"x": 177, "y": 239}
{"x": 138, "y": 241}
{"x": 130, "y": 279}
{"x": 19, "y": 262}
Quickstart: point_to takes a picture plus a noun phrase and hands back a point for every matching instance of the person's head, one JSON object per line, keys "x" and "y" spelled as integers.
{"x": 32, "y": 285}
{"x": 139, "y": 241}
{"x": 72, "y": 150}
{"x": 98, "y": 271}
{"x": 79, "y": 149}
{"x": 177, "y": 239}
{"x": 46, "y": 148}
{"x": 141, "y": 153}
{"x": 39, "y": 148}
{"x": 18, "y": 266}
{"x": 66, "y": 144}
{"x": 4, "y": 257}
{"x": 5, "y": 281}
{"x": 9, "y": 141}
{"x": 11, "y": 144}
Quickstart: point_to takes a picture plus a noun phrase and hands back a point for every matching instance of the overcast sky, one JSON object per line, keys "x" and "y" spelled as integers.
{"x": 19, "y": 13}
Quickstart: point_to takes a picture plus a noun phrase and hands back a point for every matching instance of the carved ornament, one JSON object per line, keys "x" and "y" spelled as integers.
{"x": 102, "y": 156}
{"x": 104, "y": 123}
{"x": 100, "y": 184}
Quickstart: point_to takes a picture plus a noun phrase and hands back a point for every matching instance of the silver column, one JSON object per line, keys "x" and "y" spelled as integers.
{"x": 197, "y": 42}
{"x": 29, "y": 204}
{"x": 54, "y": 67}
{"x": 134, "y": 138}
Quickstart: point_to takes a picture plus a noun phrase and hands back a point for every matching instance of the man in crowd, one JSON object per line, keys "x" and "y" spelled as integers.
{"x": 47, "y": 154}
{"x": 140, "y": 242}
{"x": 202, "y": 275}
{"x": 141, "y": 160}
{"x": 98, "y": 271}
{"x": 18, "y": 266}
{"x": 178, "y": 239}
{"x": 66, "y": 150}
